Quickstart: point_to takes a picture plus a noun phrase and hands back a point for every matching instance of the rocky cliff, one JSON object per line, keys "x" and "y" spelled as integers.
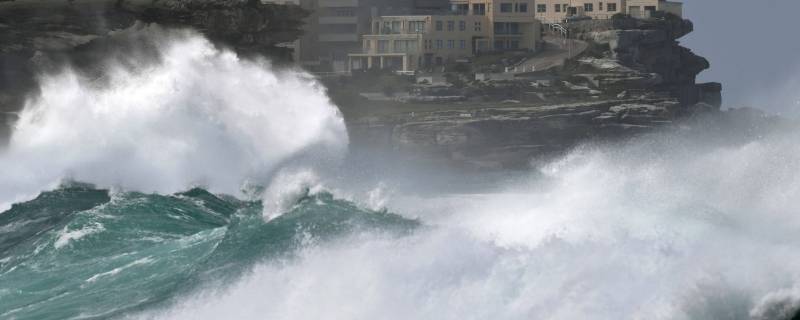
{"x": 634, "y": 79}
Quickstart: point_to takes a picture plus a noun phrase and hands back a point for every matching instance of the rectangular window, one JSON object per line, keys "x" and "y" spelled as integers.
{"x": 498, "y": 44}
{"x": 477, "y": 26}
{"x": 612, "y": 7}
{"x": 416, "y": 27}
{"x": 383, "y": 46}
{"x": 479, "y": 9}
{"x": 506, "y": 7}
{"x": 439, "y": 26}
{"x": 600, "y": 6}
{"x": 451, "y": 44}
{"x": 461, "y": 9}
{"x": 439, "y": 44}
{"x": 462, "y": 44}
{"x": 523, "y": 7}
{"x": 588, "y": 7}
{"x": 406, "y": 46}
{"x": 513, "y": 44}
{"x": 451, "y": 25}
{"x": 557, "y": 7}
{"x": 397, "y": 27}
{"x": 500, "y": 28}
{"x": 506, "y": 28}
{"x": 541, "y": 8}
{"x": 344, "y": 12}
{"x": 462, "y": 25}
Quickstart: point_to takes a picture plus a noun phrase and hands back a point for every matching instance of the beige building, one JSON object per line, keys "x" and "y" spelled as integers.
{"x": 555, "y": 11}
{"x": 413, "y": 42}
{"x": 644, "y": 8}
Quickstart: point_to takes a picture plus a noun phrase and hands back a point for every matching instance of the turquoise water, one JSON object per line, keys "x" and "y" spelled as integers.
{"x": 79, "y": 252}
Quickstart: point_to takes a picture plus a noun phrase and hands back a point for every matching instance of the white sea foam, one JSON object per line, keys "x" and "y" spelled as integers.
{"x": 200, "y": 117}
{"x": 286, "y": 188}
{"x": 67, "y": 235}
{"x": 115, "y": 271}
{"x": 688, "y": 232}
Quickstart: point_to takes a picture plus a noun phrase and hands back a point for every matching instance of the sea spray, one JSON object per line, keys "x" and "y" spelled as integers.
{"x": 196, "y": 115}
{"x": 659, "y": 228}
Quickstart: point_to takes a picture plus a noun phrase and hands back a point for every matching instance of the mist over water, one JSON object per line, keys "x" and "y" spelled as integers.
{"x": 659, "y": 228}
{"x": 665, "y": 226}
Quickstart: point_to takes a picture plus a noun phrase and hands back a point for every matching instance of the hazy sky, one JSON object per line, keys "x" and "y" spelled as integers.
{"x": 754, "y": 50}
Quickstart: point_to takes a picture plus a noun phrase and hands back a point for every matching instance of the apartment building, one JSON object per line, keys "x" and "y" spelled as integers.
{"x": 470, "y": 27}
{"x": 644, "y": 8}
{"x": 333, "y": 29}
{"x": 554, "y": 11}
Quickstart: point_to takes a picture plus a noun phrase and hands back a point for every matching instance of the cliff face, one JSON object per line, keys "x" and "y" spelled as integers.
{"x": 636, "y": 78}
{"x": 38, "y": 34}
{"x": 651, "y": 46}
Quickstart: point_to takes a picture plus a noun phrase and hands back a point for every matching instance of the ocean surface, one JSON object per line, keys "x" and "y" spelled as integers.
{"x": 205, "y": 186}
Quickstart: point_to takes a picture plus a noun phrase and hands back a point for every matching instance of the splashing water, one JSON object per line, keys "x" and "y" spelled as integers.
{"x": 201, "y": 117}
{"x": 660, "y": 228}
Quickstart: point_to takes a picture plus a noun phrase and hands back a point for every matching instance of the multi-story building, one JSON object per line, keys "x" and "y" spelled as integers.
{"x": 552, "y": 11}
{"x": 471, "y": 27}
{"x": 334, "y": 28}
{"x": 644, "y": 8}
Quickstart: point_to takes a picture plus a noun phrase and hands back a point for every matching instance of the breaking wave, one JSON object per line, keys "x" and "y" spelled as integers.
{"x": 202, "y": 116}
{"x": 663, "y": 227}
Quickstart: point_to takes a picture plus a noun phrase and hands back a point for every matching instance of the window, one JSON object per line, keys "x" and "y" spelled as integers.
{"x": 588, "y": 7}
{"x": 451, "y": 44}
{"x": 498, "y": 45}
{"x": 506, "y": 7}
{"x": 462, "y": 25}
{"x": 383, "y": 46}
{"x": 451, "y": 25}
{"x": 506, "y": 28}
{"x": 405, "y": 46}
{"x": 600, "y": 6}
{"x": 513, "y": 44}
{"x": 428, "y": 44}
{"x": 416, "y": 27}
{"x": 344, "y": 12}
{"x": 462, "y": 44}
{"x": 557, "y": 7}
{"x": 479, "y": 9}
{"x": 523, "y": 7}
{"x": 439, "y": 44}
{"x": 461, "y": 9}
{"x": 439, "y": 26}
{"x": 612, "y": 7}
{"x": 477, "y": 26}
{"x": 543, "y": 8}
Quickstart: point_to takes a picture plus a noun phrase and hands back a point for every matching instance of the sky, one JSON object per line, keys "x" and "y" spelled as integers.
{"x": 754, "y": 50}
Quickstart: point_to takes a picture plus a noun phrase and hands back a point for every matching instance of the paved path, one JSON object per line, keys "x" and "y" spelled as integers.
{"x": 556, "y": 51}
